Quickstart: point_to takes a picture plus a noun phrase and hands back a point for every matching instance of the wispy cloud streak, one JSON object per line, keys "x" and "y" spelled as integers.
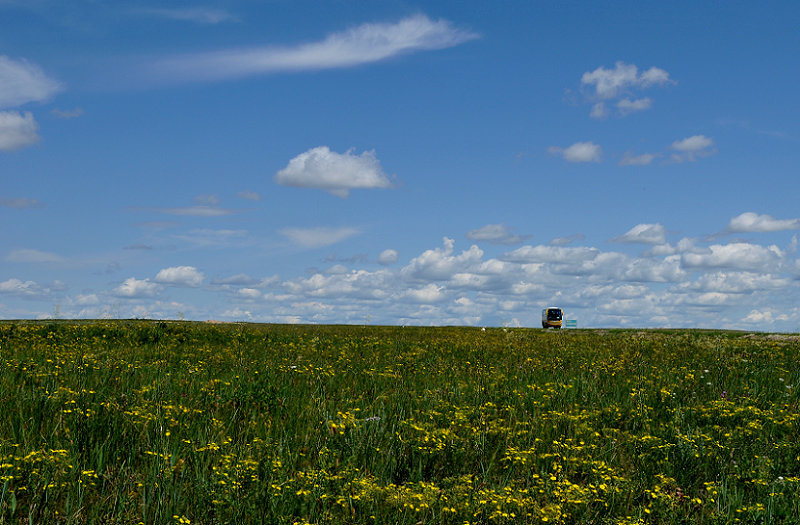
{"x": 363, "y": 44}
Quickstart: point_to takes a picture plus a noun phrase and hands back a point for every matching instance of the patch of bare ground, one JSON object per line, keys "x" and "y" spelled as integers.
{"x": 785, "y": 338}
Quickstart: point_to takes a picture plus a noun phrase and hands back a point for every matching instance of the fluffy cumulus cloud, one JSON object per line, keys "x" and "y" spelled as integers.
{"x": 649, "y": 270}
{"x": 692, "y": 282}
{"x": 337, "y": 173}
{"x": 496, "y": 234}
{"x": 627, "y": 106}
{"x": 364, "y": 44}
{"x": 21, "y": 82}
{"x": 737, "y": 255}
{"x": 440, "y": 263}
{"x": 388, "y": 257}
{"x": 552, "y": 254}
{"x": 750, "y": 222}
{"x": 609, "y": 83}
{"x": 428, "y": 294}
{"x": 622, "y": 81}
{"x": 21, "y": 288}
{"x": 578, "y": 152}
{"x": 248, "y": 293}
{"x": 136, "y": 288}
{"x": 358, "y": 284}
{"x": 180, "y": 276}
{"x": 692, "y": 148}
{"x": 693, "y": 143}
{"x": 17, "y": 130}
{"x": 734, "y": 282}
{"x": 685, "y": 285}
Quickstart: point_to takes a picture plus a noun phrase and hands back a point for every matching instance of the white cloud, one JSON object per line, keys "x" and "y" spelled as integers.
{"x": 660, "y": 250}
{"x": 337, "y": 269}
{"x": 359, "y": 284}
{"x": 496, "y": 234}
{"x": 86, "y": 300}
{"x": 610, "y": 83}
{"x": 551, "y": 254}
{"x": 682, "y": 285}
{"x": 645, "y": 234}
{"x": 337, "y": 173}
{"x": 17, "y": 130}
{"x": 667, "y": 270}
{"x": 180, "y": 276}
{"x": 741, "y": 256}
{"x": 22, "y": 82}
{"x": 750, "y": 222}
{"x": 248, "y": 293}
{"x": 693, "y": 144}
{"x": 654, "y": 76}
{"x": 622, "y": 81}
{"x": 440, "y": 263}
{"x": 32, "y": 256}
{"x": 387, "y": 257}
{"x": 364, "y": 44}
{"x": 628, "y": 159}
{"x": 759, "y": 316}
{"x": 428, "y": 294}
{"x": 685, "y": 284}
{"x": 133, "y": 288}
{"x": 318, "y": 237}
{"x": 606, "y": 265}
{"x": 578, "y": 152}
{"x": 627, "y": 106}
{"x": 692, "y": 148}
{"x": 22, "y": 288}
{"x": 736, "y": 282}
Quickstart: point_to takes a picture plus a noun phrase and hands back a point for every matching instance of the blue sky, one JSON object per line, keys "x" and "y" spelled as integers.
{"x": 395, "y": 162}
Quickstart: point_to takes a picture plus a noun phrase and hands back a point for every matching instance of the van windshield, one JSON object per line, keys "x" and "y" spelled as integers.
{"x": 554, "y": 314}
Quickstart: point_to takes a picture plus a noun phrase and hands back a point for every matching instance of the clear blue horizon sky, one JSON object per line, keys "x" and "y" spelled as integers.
{"x": 393, "y": 162}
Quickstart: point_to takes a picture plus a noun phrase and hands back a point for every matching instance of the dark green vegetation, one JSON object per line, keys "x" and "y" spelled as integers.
{"x": 166, "y": 422}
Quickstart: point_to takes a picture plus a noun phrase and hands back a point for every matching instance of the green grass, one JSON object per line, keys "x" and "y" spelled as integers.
{"x": 177, "y": 422}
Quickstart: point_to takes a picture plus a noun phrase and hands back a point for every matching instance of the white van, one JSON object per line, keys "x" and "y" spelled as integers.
{"x": 552, "y": 317}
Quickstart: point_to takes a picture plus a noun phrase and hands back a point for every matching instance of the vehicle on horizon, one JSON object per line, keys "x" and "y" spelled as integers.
{"x": 552, "y": 317}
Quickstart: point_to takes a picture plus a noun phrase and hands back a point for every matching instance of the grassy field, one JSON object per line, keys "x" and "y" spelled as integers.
{"x": 172, "y": 422}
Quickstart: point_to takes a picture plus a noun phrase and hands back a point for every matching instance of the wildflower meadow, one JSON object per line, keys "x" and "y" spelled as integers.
{"x": 128, "y": 422}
